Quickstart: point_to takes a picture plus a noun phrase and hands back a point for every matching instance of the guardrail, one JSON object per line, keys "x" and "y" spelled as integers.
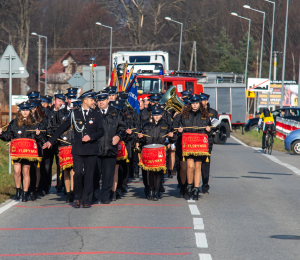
{"x": 285, "y": 126}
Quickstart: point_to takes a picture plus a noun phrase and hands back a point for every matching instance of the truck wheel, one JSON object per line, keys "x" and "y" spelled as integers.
{"x": 228, "y": 130}
{"x": 221, "y": 134}
{"x": 296, "y": 147}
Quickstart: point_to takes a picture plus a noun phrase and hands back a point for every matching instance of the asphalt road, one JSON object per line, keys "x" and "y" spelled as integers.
{"x": 252, "y": 212}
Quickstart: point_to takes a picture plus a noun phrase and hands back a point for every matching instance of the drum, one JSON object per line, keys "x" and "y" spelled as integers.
{"x": 24, "y": 148}
{"x": 195, "y": 144}
{"x": 153, "y": 158}
{"x": 122, "y": 151}
{"x": 65, "y": 157}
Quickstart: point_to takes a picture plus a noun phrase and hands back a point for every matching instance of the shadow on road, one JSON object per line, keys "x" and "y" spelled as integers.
{"x": 255, "y": 177}
{"x": 271, "y": 173}
{"x": 224, "y": 177}
{"x": 288, "y": 237}
{"x": 232, "y": 144}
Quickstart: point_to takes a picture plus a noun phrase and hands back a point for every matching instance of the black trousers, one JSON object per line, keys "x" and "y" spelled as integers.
{"x": 84, "y": 168}
{"x": 205, "y": 170}
{"x": 60, "y": 177}
{"x": 123, "y": 174}
{"x": 46, "y": 170}
{"x": 105, "y": 167}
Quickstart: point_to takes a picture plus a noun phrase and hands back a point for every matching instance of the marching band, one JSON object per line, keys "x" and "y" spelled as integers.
{"x": 99, "y": 138}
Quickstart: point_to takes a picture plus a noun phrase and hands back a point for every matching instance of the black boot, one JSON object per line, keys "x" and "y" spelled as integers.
{"x": 32, "y": 196}
{"x": 25, "y": 196}
{"x": 118, "y": 194}
{"x": 68, "y": 197}
{"x": 113, "y": 196}
{"x": 18, "y": 194}
{"x": 146, "y": 191}
{"x": 182, "y": 190}
{"x": 155, "y": 196}
{"x": 71, "y": 196}
{"x": 195, "y": 193}
{"x": 161, "y": 188}
{"x": 150, "y": 194}
{"x": 170, "y": 175}
{"x": 189, "y": 191}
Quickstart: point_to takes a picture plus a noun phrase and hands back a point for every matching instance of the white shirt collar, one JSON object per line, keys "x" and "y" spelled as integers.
{"x": 104, "y": 110}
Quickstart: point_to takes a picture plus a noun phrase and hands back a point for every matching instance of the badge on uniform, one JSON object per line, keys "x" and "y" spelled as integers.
{"x": 19, "y": 132}
{"x": 91, "y": 122}
{"x": 80, "y": 122}
{"x": 65, "y": 138}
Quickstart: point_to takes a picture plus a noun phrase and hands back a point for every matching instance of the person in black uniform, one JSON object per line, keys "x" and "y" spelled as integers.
{"x": 205, "y": 168}
{"x": 18, "y": 128}
{"x": 194, "y": 115}
{"x": 112, "y": 93}
{"x": 88, "y": 129}
{"x": 158, "y": 130}
{"x": 53, "y": 124}
{"x": 115, "y": 127}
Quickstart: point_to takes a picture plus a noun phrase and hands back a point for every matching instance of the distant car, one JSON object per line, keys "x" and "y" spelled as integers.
{"x": 292, "y": 142}
{"x": 289, "y": 113}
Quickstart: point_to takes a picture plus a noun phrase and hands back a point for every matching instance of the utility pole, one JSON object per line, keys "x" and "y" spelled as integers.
{"x": 39, "y": 65}
{"x": 195, "y": 56}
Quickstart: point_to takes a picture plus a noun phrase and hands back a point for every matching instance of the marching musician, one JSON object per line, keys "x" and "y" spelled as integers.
{"x": 155, "y": 132}
{"x": 88, "y": 129}
{"x": 112, "y": 93}
{"x": 114, "y": 127}
{"x": 194, "y": 115}
{"x": 205, "y": 168}
{"x": 18, "y": 128}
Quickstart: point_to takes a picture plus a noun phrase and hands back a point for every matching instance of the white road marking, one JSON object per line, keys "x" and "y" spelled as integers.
{"x": 8, "y": 205}
{"x": 205, "y": 257}
{"x": 272, "y": 158}
{"x": 239, "y": 141}
{"x": 201, "y": 241}
{"x": 191, "y": 201}
{"x": 198, "y": 223}
{"x": 194, "y": 210}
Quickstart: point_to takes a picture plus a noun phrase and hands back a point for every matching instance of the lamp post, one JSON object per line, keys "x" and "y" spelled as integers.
{"x": 271, "y": 51}
{"x": 246, "y": 69}
{"x": 46, "y": 74}
{"x": 284, "y": 51}
{"x": 263, "y": 33}
{"x": 169, "y": 19}
{"x": 110, "y": 57}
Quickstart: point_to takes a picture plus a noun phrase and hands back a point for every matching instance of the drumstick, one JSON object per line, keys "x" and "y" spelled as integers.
{"x": 205, "y": 127}
{"x": 35, "y": 130}
{"x": 142, "y": 134}
{"x": 132, "y": 129}
{"x": 60, "y": 140}
{"x": 167, "y": 134}
{"x": 186, "y": 127}
{"x": 5, "y": 126}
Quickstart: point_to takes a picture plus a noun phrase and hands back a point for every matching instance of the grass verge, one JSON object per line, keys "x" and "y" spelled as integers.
{"x": 254, "y": 139}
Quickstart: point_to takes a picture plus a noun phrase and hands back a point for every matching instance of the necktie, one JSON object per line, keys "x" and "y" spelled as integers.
{"x": 103, "y": 111}
{"x": 85, "y": 112}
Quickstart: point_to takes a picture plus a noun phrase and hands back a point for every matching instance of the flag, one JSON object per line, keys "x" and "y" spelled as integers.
{"x": 133, "y": 96}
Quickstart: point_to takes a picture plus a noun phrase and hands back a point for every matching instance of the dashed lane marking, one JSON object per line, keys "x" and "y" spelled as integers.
{"x": 8, "y": 205}
{"x": 201, "y": 241}
{"x": 205, "y": 257}
{"x": 194, "y": 210}
{"x": 198, "y": 223}
{"x": 191, "y": 201}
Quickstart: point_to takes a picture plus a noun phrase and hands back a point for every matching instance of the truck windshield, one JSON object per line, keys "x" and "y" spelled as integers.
{"x": 149, "y": 86}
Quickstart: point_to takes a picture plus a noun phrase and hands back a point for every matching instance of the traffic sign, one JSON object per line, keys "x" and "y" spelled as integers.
{"x": 18, "y": 70}
{"x": 258, "y": 85}
{"x": 250, "y": 94}
{"x": 77, "y": 80}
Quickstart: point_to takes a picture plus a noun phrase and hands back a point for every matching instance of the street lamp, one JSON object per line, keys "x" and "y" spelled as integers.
{"x": 246, "y": 70}
{"x": 284, "y": 51}
{"x": 271, "y": 52}
{"x": 262, "y": 40}
{"x": 46, "y": 74}
{"x": 169, "y": 19}
{"x": 110, "y": 56}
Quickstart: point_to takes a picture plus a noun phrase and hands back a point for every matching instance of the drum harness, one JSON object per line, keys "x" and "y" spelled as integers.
{"x": 79, "y": 130}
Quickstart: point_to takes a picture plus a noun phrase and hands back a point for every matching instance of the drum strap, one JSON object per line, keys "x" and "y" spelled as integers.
{"x": 80, "y": 130}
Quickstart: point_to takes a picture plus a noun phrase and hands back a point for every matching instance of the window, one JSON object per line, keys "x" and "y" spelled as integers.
{"x": 149, "y": 86}
{"x": 189, "y": 86}
{"x": 167, "y": 85}
{"x": 139, "y": 59}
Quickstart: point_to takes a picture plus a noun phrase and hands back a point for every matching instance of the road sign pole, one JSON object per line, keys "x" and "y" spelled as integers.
{"x": 10, "y": 115}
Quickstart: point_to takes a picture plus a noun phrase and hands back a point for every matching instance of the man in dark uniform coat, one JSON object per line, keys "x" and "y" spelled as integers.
{"x": 205, "y": 168}
{"x": 88, "y": 129}
{"x": 115, "y": 127}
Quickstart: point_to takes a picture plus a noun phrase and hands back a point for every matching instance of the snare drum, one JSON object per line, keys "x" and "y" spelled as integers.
{"x": 24, "y": 148}
{"x": 122, "y": 151}
{"x": 195, "y": 144}
{"x": 153, "y": 158}
{"x": 65, "y": 157}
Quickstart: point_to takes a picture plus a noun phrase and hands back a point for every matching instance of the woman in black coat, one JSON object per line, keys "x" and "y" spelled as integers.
{"x": 194, "y": 115}
{"x": 159, "y": 131}
{"x": 18, "y": 129}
